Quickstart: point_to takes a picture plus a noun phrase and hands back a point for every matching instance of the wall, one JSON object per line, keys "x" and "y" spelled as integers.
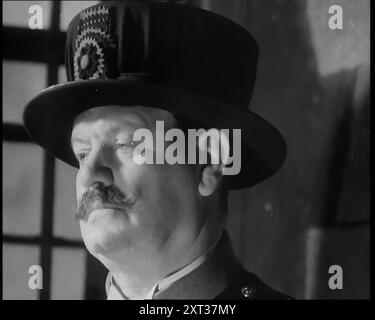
{"x": 313, "y": 85}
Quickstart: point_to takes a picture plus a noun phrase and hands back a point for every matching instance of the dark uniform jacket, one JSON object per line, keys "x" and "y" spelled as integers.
{"x": 221, "y": 276}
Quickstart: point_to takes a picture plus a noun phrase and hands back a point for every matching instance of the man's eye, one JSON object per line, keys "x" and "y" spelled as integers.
{"x": 125, "y": 146}
{"x": 82, "y": 156}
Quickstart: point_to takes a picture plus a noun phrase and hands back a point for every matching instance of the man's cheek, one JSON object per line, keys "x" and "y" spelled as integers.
{"x": 134, "y": 177}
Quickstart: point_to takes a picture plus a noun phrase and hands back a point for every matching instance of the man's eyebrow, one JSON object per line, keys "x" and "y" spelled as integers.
{"x": 128, "y": 133}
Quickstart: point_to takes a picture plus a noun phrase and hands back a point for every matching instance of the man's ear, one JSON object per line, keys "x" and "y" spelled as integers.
{"x": 211, "y": 173}
{"x": 210, "y": 179}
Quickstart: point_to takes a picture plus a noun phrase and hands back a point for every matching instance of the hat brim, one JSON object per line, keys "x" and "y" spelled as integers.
{"x": 49, "y": 117}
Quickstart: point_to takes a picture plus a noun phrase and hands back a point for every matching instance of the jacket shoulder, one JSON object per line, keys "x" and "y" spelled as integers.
{"x": 248, "y": 286}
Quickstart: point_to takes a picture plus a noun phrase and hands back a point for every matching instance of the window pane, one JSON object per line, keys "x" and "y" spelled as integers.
{"x": 70, "y": 8}
{"x": 16, "y": 13}
{"x": 21, "y": 82}
{"x": 22, "y": 188}
{"x": 65, "y": 224}
{"x": 61, "y": 75}
{"x": 68, "y": 274}
{"x": 17, "y": 260}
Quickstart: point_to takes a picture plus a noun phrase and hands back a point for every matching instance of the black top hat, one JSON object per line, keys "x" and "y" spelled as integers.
{"x": 189, "y": 61}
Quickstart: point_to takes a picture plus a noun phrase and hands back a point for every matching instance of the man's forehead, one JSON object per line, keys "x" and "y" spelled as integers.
{"x": 131, "y": 113}
{"x": 140, "y": 116}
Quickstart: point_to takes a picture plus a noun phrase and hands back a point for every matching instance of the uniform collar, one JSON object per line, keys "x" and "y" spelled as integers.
{"x": 204, "y": 278}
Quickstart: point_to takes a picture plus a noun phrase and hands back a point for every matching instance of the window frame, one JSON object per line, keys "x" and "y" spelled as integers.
{"x": 45, "y": 46}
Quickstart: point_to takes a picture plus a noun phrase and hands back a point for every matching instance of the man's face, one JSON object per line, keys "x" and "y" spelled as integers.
{"x": 127, "y": 209}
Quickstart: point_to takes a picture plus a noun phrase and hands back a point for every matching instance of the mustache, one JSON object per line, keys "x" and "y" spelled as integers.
{"x": 98, "y": 194}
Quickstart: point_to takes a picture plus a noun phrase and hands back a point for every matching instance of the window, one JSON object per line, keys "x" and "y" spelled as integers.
{"x": 39, "y": 227}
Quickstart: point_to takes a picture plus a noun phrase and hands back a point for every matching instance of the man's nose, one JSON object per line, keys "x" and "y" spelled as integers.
{"x": 95, "y": 170}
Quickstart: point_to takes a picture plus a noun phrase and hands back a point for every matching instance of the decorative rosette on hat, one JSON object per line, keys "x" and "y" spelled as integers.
{"x": 94, "y": 45}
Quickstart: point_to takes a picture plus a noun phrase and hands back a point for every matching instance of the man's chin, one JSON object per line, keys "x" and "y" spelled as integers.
{"x": 98, "y": 242}
{"x": 104, "y": 235}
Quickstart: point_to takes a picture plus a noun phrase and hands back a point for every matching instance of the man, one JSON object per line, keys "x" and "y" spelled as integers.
{"x": 158, "y": 227}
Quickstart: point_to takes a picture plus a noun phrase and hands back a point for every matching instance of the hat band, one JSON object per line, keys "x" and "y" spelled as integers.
{"x": 135, "y": 76}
